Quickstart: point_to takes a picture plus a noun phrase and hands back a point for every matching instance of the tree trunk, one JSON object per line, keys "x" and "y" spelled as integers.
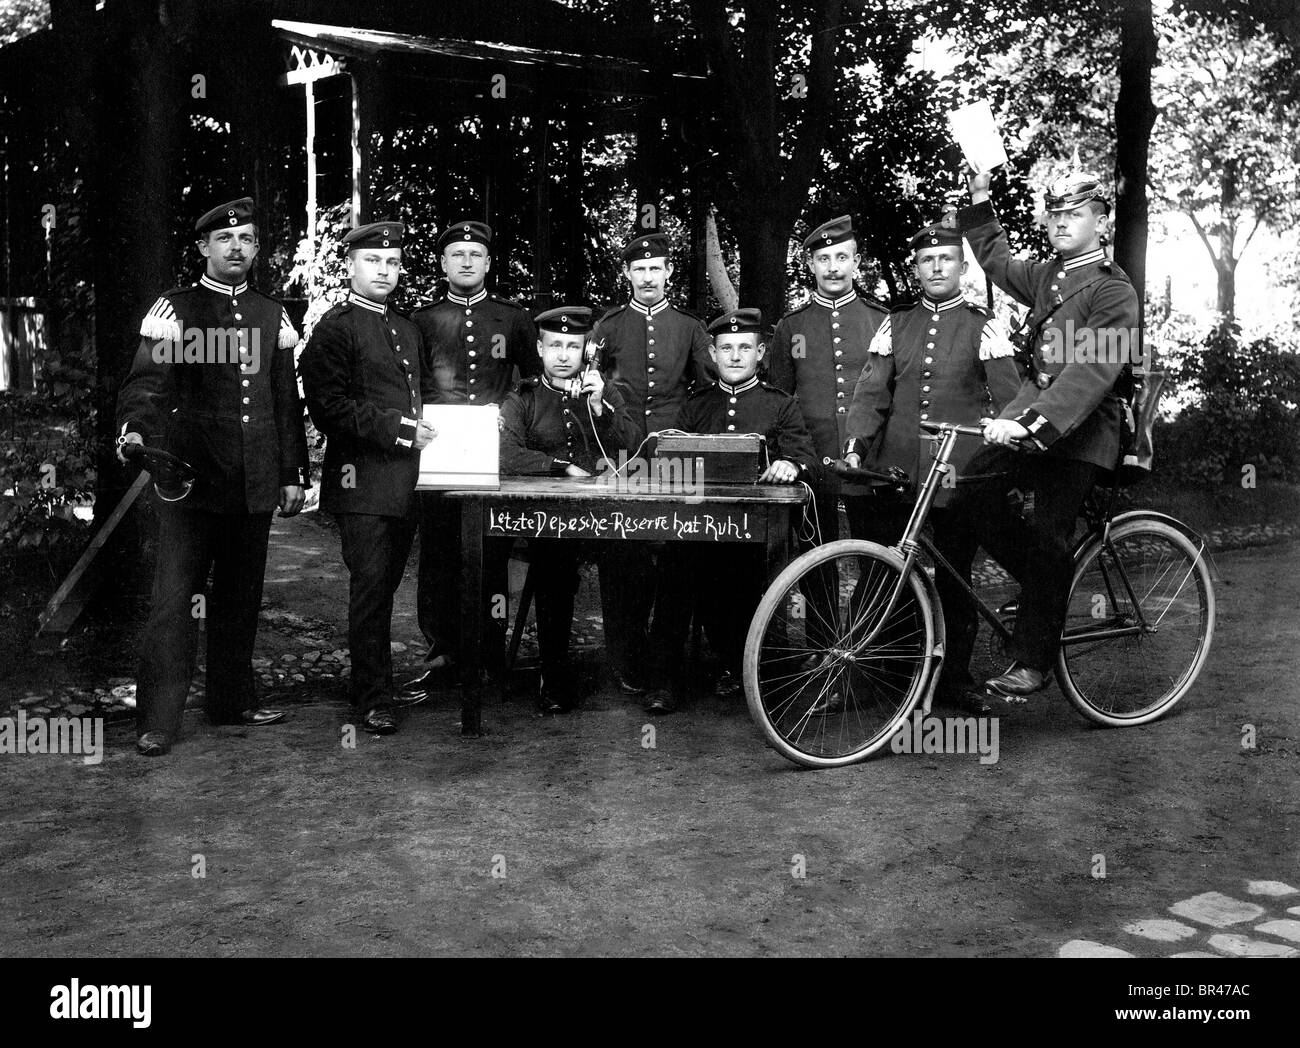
{"x": 1135, "y": 115}
{"x": 762, "y": 243}
{"x": 1227, "y": 263}
{"x": 716, "y": 267}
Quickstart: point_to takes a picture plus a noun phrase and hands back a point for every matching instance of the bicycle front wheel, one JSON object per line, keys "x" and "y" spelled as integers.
{"x": 831, "y": 669}
{"x": 1139, "y": 623}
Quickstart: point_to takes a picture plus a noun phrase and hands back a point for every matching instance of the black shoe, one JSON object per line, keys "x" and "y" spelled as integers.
{"x": 555, "y": 694}
{"x": 629, "y": 686}
{"x": 660, "y": 701}
{"x": 966, "y": 700}
{"x": 380, "y": 721}
{"x": 830, "y": 703}
{"x": 728, "y": 685}
{"x": 1016, "y": 682}
{"x": 153, "y": 744}
{"x": 258, "y": 718}
{"x": 405, "y": 699}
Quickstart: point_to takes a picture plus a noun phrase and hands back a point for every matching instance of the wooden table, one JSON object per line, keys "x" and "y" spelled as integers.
{"x": 591, "y": 508}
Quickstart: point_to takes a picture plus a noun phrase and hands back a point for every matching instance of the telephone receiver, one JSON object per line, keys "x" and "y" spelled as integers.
{"x": 573, "y": 386}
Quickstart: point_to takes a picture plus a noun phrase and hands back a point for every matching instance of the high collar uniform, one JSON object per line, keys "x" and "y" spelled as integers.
{"x": 544, "y": 430}
{"x": 475, "y": 344}
{"x": 653, "y": 354}
{"x": 235, "y": 418}
{"x": 752, "y": 407}
{"x": 933, "y": 361}
{"x": 818, "y": 352}
{"x": 1072, "y": 409}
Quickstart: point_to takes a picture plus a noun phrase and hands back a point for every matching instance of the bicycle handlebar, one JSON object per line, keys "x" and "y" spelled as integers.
{"x": 974, "y": 431}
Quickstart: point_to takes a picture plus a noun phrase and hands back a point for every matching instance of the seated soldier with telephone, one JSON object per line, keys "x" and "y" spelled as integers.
{"x": 727, "y": 579}
{"x": 562, "y": 424}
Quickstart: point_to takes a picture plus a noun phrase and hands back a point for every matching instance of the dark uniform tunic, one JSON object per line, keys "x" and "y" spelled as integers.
{"x": 236, "y": 418}
{"x": 543, "y": 431}
{"x": 476, "y": 343}
{"x": 818, "y": 352}
{"x": 752, "y": 407}
{"x": 726, "y": 581}
{"x": 366, "y": 375}
{"x": 1069, "y": 406}
{"x": 940, "y": 362}
{"x": 653, "y": 354}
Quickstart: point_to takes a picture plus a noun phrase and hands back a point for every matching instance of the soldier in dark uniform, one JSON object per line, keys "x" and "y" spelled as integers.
{"x": 213, "y": 383}
{"x": 942, "y": 359}
{"x": 477, "y": 340}
{"x": 366, "y": 375}
{"x": 550, "y": 429}
{"x": 728, "y": 579}
{"x": 1067, "y": 407}
{"x": 653, "y": 353}
{"x": 818, "y": 352}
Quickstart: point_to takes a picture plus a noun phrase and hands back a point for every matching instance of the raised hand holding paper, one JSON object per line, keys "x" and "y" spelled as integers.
{"x": 974, "y": 129}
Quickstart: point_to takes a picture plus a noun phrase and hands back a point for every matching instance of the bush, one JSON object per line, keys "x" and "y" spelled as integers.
{"x": 1241, "y": 408}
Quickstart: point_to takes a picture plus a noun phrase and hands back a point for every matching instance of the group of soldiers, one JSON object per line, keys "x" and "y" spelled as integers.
{"x": 846, "y": 378}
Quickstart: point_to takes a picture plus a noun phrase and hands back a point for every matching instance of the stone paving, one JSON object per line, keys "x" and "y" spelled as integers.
{"x": 1212, "y": 925}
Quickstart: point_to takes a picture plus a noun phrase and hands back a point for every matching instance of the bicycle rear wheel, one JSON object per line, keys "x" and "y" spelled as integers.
{"x": 830, "y": 671}
{"x": 1117, "y": 666}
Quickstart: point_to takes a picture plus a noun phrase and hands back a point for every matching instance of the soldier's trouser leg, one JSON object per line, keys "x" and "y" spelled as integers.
{"x": 627, "y": 583}
{"x": 821, "y": 587}
{"x": 731, "y": 585}
{"x": 1036, "y": 552}
{"x": 1060, "y": 487}
{"x": 170, "y": 637}
{"x": 679, "y": 584}
{"x": 554, "y": 565}
{"x": 239, "y": 546}
{"x": 375, "y": 550}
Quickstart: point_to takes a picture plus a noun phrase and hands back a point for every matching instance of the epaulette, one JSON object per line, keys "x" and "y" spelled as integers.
{"x": 338, "y": 309}
{"x": 874, "y": 302}
{"x": 775, "y": 389}
{"x": 687, "y": 312}
{"x": 978, "y": 310}
{"x": 798, "y": 309}
{"x": 701, "y": 390}
{"x": 612, "y": 312}
{"x": 528, "y": 383}
{"x": 506, "y": 301}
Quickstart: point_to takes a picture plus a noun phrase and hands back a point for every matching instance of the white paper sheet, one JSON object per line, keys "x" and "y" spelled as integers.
{"x": 466, "y": 451}
{"x": 975, "y": 130}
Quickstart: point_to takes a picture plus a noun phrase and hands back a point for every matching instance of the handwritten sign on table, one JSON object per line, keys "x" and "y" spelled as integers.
{"x": 657, "y": 524}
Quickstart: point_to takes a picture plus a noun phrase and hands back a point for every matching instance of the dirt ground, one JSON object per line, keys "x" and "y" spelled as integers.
{"x": 569, "y": 836}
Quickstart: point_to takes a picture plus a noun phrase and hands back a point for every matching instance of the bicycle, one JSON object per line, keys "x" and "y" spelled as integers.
{"x": 1138, "y": 628}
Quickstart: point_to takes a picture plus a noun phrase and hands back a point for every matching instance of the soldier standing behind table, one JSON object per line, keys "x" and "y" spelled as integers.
{"x": 727, "y": 579}
{"x": 1068, "y": 407}
{"x": 818, "y": 352}
{"x": 477, "y": 340}
{"x": 653, "y": 353}
{"x": 366, "y": 375}
{"x": 550, "y": 429}
{"x": 231, "y": 410}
